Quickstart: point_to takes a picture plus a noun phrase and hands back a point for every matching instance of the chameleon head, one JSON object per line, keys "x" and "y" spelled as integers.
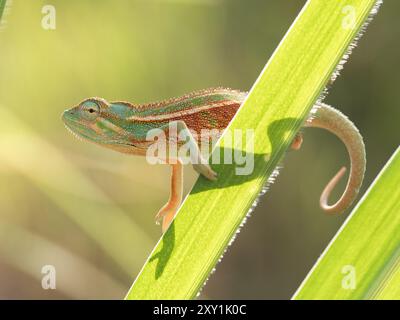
{"x": 85, "y": 120}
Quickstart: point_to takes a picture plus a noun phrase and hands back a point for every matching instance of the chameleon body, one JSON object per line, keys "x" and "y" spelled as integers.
{"x": 123, "y": 127}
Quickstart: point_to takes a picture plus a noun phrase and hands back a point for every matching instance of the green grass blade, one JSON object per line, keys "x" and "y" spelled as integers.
{"x": 275, "y": 109}
{"x": 2, "y": 6}
{"x": 3, "y": 12}
{"x": 363, "y": 260}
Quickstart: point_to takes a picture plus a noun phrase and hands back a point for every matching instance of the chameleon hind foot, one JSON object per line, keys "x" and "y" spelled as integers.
{"x": 297, "y": 142}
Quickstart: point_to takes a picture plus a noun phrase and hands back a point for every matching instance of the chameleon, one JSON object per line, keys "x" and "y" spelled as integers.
{"x": 123, "y": 127}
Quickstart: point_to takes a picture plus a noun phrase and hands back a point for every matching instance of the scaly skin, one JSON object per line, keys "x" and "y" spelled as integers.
{"x": 122, "y": 126}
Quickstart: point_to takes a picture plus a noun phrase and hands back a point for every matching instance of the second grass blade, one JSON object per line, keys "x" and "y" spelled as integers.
{"x": 363, "y": 260}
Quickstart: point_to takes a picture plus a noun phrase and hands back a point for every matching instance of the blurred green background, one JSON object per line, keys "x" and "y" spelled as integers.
{"x": 89, "y": 211}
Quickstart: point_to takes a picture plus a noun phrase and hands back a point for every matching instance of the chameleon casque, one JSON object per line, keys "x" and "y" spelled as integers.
{"x": 123, "y": 126}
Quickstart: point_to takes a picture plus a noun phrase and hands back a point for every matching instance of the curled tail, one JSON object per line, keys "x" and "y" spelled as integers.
{"x": 328, "y": 118}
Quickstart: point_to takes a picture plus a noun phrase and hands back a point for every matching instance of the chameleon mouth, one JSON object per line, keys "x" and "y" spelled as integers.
{"x": 77, "y": 129}
{"x": 82, "y": 132}
{"x": 73, "y": 132}
{"x": 82, "y": 137}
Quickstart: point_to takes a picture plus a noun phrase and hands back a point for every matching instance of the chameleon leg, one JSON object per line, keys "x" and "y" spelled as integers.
{"x": 198, "y": 162}
{"x": 168, "y": 211}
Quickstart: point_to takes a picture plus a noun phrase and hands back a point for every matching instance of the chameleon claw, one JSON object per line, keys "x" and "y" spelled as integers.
{"x": 213, "y": 176}
{"x": 161, "y": 214}
{"x": 165, "y": 217}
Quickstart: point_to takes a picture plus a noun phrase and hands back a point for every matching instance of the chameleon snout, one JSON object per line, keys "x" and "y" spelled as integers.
{"x": 68, "y": 115}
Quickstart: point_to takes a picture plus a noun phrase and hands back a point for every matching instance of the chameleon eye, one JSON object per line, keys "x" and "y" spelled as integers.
{"x": 90, "y": 110}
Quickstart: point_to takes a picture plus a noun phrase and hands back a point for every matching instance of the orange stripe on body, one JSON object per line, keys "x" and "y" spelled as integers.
{"x": 185, "y": 113}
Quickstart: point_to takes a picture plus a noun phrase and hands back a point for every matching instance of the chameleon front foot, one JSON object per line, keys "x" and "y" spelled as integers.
{"x": 169, "y": 210}
{"x": 166, "y": 214}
